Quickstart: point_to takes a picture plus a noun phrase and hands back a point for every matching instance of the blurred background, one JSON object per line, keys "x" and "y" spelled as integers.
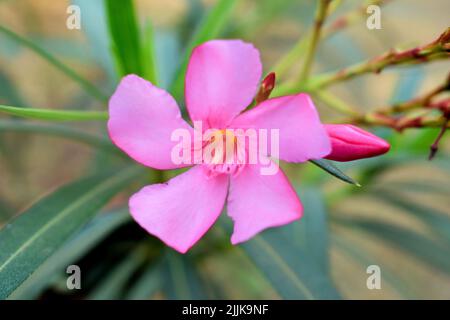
{"x": 399, "y": 220}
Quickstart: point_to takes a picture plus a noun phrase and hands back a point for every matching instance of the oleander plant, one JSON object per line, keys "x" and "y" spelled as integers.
{"x": 224, "y": 149}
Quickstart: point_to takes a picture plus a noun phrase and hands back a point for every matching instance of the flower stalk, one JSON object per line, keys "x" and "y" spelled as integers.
{"x": 322, "y": 11}
{"x": 335, "y": 103}
{"x": 424, "y": 101}
{"x": 297, "y": 51}
{"x": 397, "y": 123}
{"x": 435, "y": 146}
{"x": 436, "y": 50}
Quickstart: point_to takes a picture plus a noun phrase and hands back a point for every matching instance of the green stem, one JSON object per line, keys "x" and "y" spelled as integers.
{"x": 335, "y": 103}
{"x": 418, "y": 102}
{"x": 296, "y": 53}
{"x": 400, "y": 124}
{"x": 436, "y": 50}
{"x": 321, "y": 14}
{"x": 55, "y": 115}
{"x": 85, "y": 84}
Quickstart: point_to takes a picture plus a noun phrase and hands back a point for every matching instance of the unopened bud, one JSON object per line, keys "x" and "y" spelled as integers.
{"x": 266, "y": 88}
{"x": 349, "y": 143}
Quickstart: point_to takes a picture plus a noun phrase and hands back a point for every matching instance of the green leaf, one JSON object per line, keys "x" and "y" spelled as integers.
{"x": 423, "y": 248}
{"x": 294, "y": 258}
{"x": 329, "y": 167}
{"x": 112, "y": 285}
{"x": 310, "y": 233}
{"x": 96, "y": 38}
{"x": 99, "y": 228}
{"x": 182, "y": 279}
{"x": 438, "y": 221}
{"x": 9, "y": 125}
{"x": 417, "y": 186}
{"x": 149, "y": 54}
{"x": 8, "y": 90}
{"x": 364, "y": 258}
{"x": 125, "y": 38}
{"x": 148, "y": 283}
{"x": 27, "y": 241}
{"x": 210, "y": 28}
{"x": 85, "y": 84}
{"x": 55, "y": 115}
{"x": 293, "y": 273}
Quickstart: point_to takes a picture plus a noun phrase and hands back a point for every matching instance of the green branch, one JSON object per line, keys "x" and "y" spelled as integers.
{"x": 297, "y": 51}
{"x": 335, "y": 103}
{"x": 321, "y": 14}
{"x": 436, "y": 50}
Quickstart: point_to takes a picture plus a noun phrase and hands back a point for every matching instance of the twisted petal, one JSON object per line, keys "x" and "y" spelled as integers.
{"x": 180, "y": 211}
{"x": 142, "y": 118}
{"x": 221, "y": 80}
{"x": 301, "y": 134}
{"x": 257, "y": 202}
{"x": 351, "y": 143}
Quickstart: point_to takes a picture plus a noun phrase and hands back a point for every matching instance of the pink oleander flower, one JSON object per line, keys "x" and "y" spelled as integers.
{"x": 222, "y": 79}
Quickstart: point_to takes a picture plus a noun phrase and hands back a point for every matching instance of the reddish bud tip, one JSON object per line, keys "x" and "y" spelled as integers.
{"x": 349, "y": 143}
{"x": 269, "y": 82}
{"x": 267, "y": 85}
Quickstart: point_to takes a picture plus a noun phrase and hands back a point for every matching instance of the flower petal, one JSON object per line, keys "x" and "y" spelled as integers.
{"x": 301, "y": 134}
{"x": 142, "y": 118}
{"x": 180, "y": 211}
{"x": 349, "y": 143}
{"x": 221, "y": 80}
{"x": 257, "y": 202}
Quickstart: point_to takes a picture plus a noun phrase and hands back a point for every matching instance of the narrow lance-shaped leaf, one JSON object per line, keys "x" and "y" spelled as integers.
{"x": 150, "y": 66}
{"x": 438, "y": 221}
{"x": 125, "y": 39}
{"x": 329, "y": 167}
{"x": 79, "y": 245}
{"x": 27, "y": 241}
{"x": 182, "y": 280}
{"x": 85, "y": 84}
{"x": 55, "y": 115}
{"x": 148, "y": 283}
{"x": 417, "y": 245}
{"x": 310, "y": 232}
{"x": 292, "y": 272}
{"x": 112, "y": 285}
{"x": 290, "y": 261}
{"x": 364, "y": 259}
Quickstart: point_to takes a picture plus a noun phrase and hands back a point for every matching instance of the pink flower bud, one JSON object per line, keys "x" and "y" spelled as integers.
{"x": 349, "y": 143}
{"x": 266, "y": 88}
